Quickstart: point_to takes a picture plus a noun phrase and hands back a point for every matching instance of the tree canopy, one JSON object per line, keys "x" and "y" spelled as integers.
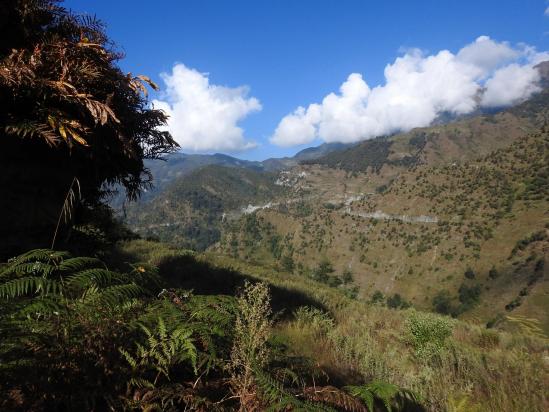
{"x": 69, "y": 112}
{"x": 61, "y": 86}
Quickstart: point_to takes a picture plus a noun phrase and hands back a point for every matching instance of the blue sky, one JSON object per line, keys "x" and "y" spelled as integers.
{"x": 291, "y": 53}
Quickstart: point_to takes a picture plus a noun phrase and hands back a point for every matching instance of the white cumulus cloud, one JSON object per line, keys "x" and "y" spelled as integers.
{"x": 486, "y": 54}
{"x": 204, "y": 116}
{"x": 510, "y": 85}
{"x": 417, "y": 89}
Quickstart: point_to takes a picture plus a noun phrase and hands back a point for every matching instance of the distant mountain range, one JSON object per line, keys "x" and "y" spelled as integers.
{"x": 178, "y": 165}
{"x": 332, "y": 154}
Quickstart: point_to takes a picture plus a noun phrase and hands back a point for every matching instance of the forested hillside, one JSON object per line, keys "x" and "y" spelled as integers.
{"x": 190, "y": 210}
{"x": 425, "y": 229}
{"x": 406, "y": 215}
{"x": 456, "y": 141}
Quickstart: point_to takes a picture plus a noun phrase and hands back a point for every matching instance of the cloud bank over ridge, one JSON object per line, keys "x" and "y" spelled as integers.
{"x": 417, "y": 89}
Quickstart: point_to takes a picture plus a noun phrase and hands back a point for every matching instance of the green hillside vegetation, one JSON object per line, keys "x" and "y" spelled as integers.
{"x": 461, "y": 140}
{"x": 173, "y": 166}
{"x": 486, "y": 214}
{"x": 277, "y": 164}
{"x": 367, "y": 168}
{"x": 173, "y": 329}
{"x": 176, "y": 165}
{"x": 190, "y": 210}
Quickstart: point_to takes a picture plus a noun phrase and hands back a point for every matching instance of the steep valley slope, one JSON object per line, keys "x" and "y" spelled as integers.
{"x": 190, "y": 211}
{"x": 452, "y": 218}
{"x": 457, "y": 229}
{"x": 473, "y": 233}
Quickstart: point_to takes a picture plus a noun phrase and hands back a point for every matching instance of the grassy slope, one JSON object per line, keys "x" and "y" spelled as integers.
{"x": 484, "y": 207}
{"x": 352, "y": 341}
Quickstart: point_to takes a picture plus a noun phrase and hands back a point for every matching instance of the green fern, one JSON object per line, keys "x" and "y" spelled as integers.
{"x": 29, "y": 285}
{"x": 36, "y": 268}
{"x": 46, "y": 282}
{"x": 365, "y": 394}
{"x": 93, "y": 277}
{"x": 114, "y": 296}
{"x": 389, "y": 395}
{"x": 80, "y": 263}
{"x": 210, "y": 317}
{"x": 146, "y": 275}
{"x": 40, "y": 255}
{"x": 43, "y": 306}
{"x": 279, "y": 398}
{"x": 163, "y": 350}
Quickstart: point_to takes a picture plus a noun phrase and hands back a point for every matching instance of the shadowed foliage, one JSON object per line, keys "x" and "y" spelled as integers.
{"x": 69, "y": 115}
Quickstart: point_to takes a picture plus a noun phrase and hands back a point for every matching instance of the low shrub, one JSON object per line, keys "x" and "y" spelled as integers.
{"x": 316, "y": 320}
{"x": 428, "y": 333}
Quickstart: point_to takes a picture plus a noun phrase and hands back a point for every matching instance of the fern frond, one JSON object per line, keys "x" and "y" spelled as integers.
{"x": 29, "y": 268}
{"x": 93, "y": 277}
{"x": 186, "y": 346}
{"x": 29, "y": 128}
{"x": 77, "y": 264}
{"x": 42, "y": 307}
{"x": 336, "y": 398}
{"x": 41, "y": 262}
{"x": 129, "y": 358}
{"x": 217, "y": 308}
{"x": 279, "y": 399}
{"x": 27, "y": 285}
{"x": 140, "y": 383}
{"x": 285, "y": 375}
{"x": 41, "y": 255}
{"x": 162, "y": 350}
{"x": 406, "y": 399}
{"x": 162, "y": 331}
{"x": 386, "y": 393}
{"x": 117, "y": 295}
{"x": 364, "y": 393}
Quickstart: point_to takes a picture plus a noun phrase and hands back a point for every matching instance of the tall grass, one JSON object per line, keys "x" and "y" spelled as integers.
{"x": 453, "y": 365}
{"x": 472, "y": 369}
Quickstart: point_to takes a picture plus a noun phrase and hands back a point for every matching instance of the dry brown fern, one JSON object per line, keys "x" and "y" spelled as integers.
{"x": 334, "y": 397}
